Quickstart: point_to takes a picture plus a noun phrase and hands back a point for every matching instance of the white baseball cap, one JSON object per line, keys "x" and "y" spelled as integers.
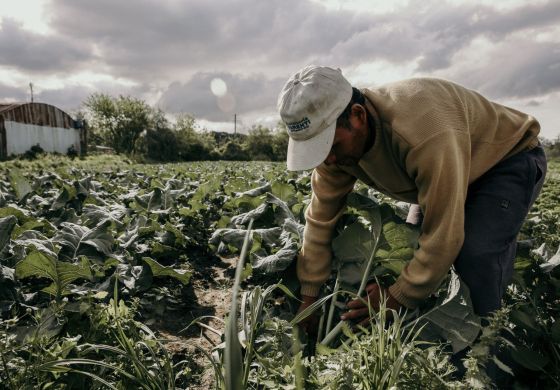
{"x": 309, "y": 104}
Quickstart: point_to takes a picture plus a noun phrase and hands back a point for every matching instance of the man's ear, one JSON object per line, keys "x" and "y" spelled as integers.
{"x": 359, "y": 112}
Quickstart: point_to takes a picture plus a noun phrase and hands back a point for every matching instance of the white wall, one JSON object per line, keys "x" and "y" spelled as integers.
{"x": 20, "y": 137}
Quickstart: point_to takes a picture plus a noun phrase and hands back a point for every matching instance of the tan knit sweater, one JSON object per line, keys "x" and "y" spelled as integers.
{"x": 434, "y": 139}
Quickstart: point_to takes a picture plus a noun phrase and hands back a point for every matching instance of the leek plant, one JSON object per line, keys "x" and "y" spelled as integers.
{"x": 148, "y": 364}
{"x": 385, "y": 355}
{"x": 239, "y": 356}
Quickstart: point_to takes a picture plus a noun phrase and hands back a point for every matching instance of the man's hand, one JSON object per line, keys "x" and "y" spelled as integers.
{"x": 309, "y": 324}
{"x": 359, "y": 311}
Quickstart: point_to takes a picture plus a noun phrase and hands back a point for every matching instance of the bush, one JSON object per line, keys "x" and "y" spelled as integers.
{"x": 551, "y": 147}
{"x": 72, "y": 152}
{"x": 34, "y": 152}
{"x": 194, "y": 145}
{"x": 158, "y": 145}
{"x": 120, "y": 121}
{"x": 234, "y": 151}
{"x": 128, "y": 125}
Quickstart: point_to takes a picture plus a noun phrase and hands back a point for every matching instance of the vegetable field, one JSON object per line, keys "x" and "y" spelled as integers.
{"x": 120, "y": 275}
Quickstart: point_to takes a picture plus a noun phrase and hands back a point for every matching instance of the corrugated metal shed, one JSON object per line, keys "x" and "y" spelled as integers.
{"x": 23, "y": 125}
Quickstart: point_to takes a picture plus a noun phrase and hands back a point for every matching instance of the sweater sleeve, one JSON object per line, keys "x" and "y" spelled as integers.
{"x": 440, "y": 168}
{"x": 330, "y": 186}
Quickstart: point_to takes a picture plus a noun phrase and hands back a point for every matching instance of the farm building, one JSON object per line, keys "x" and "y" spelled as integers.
{"x": 24, "y": 125}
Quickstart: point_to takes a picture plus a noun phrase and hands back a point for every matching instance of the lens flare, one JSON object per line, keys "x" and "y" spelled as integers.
{"x": 218, "y": 87}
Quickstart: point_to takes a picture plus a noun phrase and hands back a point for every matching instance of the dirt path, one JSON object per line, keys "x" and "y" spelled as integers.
{"x": 209, "y": 295}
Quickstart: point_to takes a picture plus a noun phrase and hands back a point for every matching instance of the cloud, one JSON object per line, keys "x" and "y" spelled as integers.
{"x": 534, "y": 103}
{"x": 516, "y": 67}
{"x": 244, "y": 94}
{"x": 9, "y": 94}
{"x": 165, "y": 39}
{"x": 448, "y": 29}
{"x": 172, "y": 40}
{"x": 255, "y": 45}
{"x": 39, "y": 53}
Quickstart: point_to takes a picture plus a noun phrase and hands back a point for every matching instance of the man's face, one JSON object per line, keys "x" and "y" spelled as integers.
{"x": 349, "y": 143}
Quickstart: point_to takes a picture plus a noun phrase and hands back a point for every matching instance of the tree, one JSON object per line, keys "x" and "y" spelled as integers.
{"x": 258, "y": 143}
{"x": 233, "y": 150}
{"x": 280, "y": 142}
{"x": 551, "y": 147}
{"x": 194, "y": 145}
{"x": 157, "y": 145}
{"x": 119, "y": 121}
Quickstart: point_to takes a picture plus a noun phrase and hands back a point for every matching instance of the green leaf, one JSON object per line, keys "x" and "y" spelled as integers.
{"x": 49, "y": 327}
{"x": 19, "y": 183}
{"x": 502, "y": 366}
{"x": 256, "y": 191}
{"x": 235, "y": 372}
{"x": 284, "y": 191}
{"x": 522, "y": 263}
{"x": 159, "y": 270}
{"x": 243, "y": 202}
{"x": 452, "y": 319}
{"x": 524, "y": 320}
{"x": 552, "y": 263}
{"x": 529, "y": 359}
{"x": 16, "y": 212}
{"x": 61, "y": 273}
{"x": 93, "y": 214}
{"x": 235, "y": 237}
{"x": 32, "y": 239}
{"x": 154, "y": 200}
{"x": 100, "y": 295}
{"x": 354, "y": 244}
{"x": 67, "y": 193}
{"x": 159, "y": 251}
{"x": 180, "y": 238}
{"x": 7, "y": 224}
{"x": 135, "y": 278}
{"x": 399, "y": 242}
{"x": 78, "y": 240}
{"x": 30, "y": 225}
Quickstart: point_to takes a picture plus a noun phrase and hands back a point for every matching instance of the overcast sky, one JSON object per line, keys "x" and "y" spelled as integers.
{"x": 214, "y": 59}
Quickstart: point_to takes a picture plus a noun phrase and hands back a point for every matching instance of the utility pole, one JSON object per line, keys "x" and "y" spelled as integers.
{"x": 234, "y": 124}
{"x": 31, "y": 88}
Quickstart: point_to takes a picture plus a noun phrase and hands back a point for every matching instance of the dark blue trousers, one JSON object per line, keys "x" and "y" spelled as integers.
{"x": 496, "y": 206}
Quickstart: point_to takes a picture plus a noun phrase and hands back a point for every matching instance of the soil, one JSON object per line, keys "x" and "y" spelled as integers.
{"x": 208, "y": 294}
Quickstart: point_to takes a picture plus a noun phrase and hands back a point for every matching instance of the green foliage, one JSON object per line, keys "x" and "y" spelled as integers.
{"x": 551, "y": 147}
{"x": 118, "y": 121}
{"x": 264, "y": 144}
{"x": 144, "y": 362}
{"x": 20, "y": 185}
{"x": 77, "y": 225}
{"x": 66, "y": 354}
{"x": 71, "y": 229}
{"x": 259, "y": 143}
{"x": 61, "y": 273}
{"x": 448, "y": 316}
{"x": 130, "y": 126}
{"x": 234, "y": 151}
{"x": 383, "y": 357}
{"x": 194, "y": 144}
{"x": 280, "y": 142}
{"x": 157, "y": 145}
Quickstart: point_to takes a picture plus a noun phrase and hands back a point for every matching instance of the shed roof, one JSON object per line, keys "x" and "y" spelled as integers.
{"x": 41, "y": 114}
{"x": 9, "y": 106}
